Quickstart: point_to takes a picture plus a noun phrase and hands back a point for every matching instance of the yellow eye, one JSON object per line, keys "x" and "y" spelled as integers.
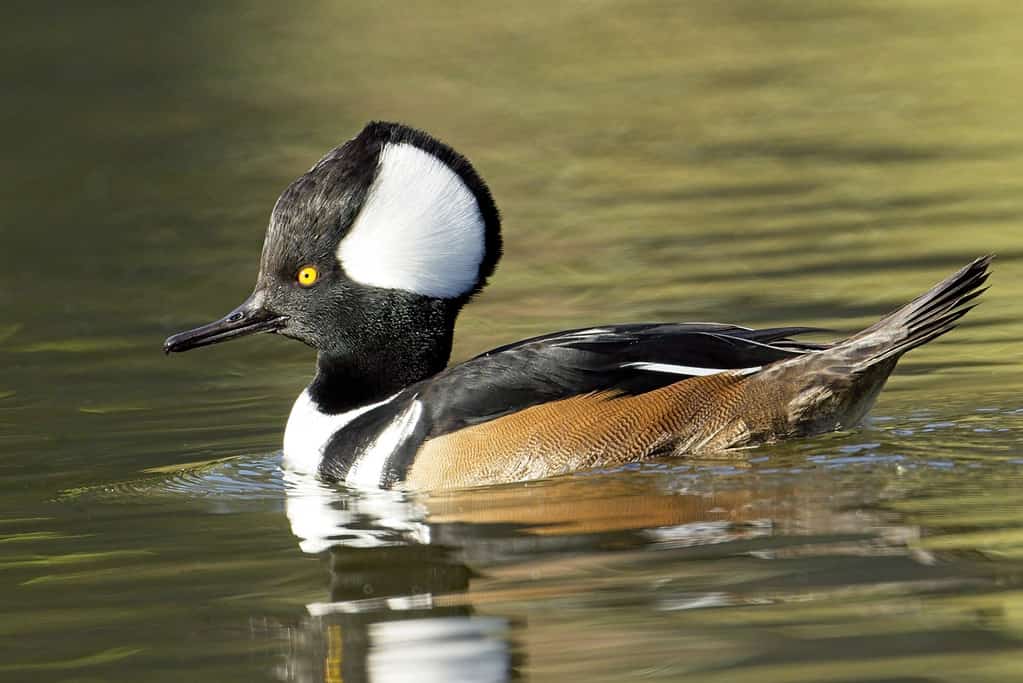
{"x": 308, "y": 276}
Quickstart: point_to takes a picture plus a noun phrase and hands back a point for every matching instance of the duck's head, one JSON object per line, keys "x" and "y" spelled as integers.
{"x": 390, "y": 233}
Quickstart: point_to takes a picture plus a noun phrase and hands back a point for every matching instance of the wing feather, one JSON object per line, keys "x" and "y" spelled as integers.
{"x": 619, "y": 360}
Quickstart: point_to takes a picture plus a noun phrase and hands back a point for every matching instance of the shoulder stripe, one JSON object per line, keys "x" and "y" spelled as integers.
{"x": 368, "y": 469}
{"x": 308, "y": 431}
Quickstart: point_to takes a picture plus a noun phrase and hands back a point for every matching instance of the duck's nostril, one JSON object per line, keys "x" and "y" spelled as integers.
{"x": 235, "y": 317}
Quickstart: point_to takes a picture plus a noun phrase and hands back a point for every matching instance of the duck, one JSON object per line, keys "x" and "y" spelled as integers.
{"x": 370, "y": 256}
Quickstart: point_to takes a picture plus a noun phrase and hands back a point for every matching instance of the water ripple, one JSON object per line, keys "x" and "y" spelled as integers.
{"x": 243, "y": 478}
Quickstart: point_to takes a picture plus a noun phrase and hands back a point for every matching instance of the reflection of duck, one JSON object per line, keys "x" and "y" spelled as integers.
{"x": 438, "y": 588}
{"x": 401, "y": 601}
{"x": 321, "y": 517}
{"x": 370, "y": 256}
{"x": 382, "y": 624}
{"x": 381, "y": 621}
{"x": 501, "y": 523}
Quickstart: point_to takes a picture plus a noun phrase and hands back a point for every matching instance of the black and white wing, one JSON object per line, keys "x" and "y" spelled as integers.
{"x": 626, "y": 359}
{"x": 622, "y": 359}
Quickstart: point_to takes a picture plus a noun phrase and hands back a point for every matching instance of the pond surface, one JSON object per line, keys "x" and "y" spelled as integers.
{"x": 747, "y": 162}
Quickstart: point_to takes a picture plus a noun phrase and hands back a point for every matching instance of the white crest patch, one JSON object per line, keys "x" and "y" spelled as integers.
{"x": 420, "y": 228}
{"x": 309, "y": 430}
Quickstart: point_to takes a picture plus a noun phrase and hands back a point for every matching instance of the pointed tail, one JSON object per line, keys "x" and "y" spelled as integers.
{"x": 834, "y": 387}
{"x": 928, "y": 316}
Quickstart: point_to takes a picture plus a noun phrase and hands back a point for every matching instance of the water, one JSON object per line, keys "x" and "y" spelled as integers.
{"x": 757, "y": 163}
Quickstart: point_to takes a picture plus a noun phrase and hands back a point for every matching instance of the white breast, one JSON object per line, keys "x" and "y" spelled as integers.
{"x": 309, "y": 430}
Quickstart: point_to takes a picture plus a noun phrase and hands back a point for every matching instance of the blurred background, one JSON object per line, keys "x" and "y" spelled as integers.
{"x": 738, "y": 161}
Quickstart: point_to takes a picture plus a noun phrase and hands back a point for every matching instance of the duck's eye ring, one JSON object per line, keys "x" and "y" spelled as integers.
{"x": 307, "y": 276}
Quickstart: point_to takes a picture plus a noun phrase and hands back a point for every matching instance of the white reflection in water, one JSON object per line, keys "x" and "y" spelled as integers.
{"x": 356, "y": 635}
{"x": 444, "y": 650}
{"x": 323, "y": 516}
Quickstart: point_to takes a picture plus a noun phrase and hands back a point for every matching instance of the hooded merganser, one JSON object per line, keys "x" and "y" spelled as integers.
{"x": 370, "y": 256}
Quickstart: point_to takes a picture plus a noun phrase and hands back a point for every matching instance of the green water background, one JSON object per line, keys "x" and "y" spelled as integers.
{"x": 748, "y": 162}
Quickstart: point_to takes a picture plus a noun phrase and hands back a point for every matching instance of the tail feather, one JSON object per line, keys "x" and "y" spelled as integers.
{"x": 835, "y": 387}
{"x": 925, "y": 318}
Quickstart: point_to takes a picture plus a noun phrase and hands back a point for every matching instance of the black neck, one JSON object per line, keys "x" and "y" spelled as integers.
{"x": 376, "y": 366}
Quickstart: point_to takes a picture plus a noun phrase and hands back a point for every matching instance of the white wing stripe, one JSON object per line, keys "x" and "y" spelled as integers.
{"x": 689, "y": 369}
